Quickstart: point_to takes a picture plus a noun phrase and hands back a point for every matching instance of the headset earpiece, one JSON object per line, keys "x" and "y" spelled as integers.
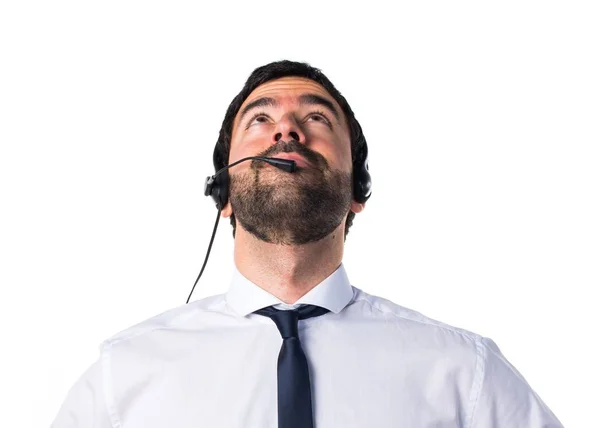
{"x": 217, "y": 186}
{"x": 362, "y": 177}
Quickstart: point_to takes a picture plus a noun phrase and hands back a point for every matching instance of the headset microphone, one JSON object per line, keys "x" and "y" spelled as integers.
{"x": 212, "y": 187}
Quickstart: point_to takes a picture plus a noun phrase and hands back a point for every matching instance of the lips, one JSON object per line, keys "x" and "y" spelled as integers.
{"x": 300, "y": 161}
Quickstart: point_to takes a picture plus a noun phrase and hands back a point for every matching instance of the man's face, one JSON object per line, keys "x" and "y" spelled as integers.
{"x": 293, "y": 118}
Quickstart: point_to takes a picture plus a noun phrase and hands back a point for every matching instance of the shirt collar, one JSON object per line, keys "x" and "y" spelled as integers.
{"x": 333, "y": 293}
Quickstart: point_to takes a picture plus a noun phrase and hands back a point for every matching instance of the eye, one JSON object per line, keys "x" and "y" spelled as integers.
{"x": 259, "y": 115}
{"x": 319, "y": 116}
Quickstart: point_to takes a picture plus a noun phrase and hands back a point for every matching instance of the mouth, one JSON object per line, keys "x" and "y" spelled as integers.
{"x": 300, "y": 161}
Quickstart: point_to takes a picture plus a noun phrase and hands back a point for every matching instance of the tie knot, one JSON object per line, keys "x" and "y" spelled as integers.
{"x": 287, "y": 320}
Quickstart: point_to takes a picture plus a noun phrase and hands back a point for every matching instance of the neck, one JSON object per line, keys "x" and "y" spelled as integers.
{"x": 287, "y": 271}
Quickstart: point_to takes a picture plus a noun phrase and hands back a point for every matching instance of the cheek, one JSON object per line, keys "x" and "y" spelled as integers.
{"x": 256, "y": 132}
{"x": 248, "y": 143}
{"x": 342, "y": 154}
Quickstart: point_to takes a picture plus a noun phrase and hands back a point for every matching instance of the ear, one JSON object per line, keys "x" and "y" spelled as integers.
{"x": 356, "y": 207}
{"x": 227, "y": 210}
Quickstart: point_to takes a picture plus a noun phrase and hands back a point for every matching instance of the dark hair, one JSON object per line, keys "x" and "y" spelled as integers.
{"x": 276, "y": 70}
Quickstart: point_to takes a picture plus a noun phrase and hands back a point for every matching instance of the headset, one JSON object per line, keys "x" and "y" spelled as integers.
{"x": 217, "y": 185}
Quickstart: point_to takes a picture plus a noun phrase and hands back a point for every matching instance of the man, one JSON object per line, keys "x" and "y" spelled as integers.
{"x": 293, "y": 344}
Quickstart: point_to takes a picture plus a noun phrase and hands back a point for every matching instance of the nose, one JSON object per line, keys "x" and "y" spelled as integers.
{"x": 288, "y": 127}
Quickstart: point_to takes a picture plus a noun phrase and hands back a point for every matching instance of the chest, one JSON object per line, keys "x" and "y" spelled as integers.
{"x": 352, "y": 386}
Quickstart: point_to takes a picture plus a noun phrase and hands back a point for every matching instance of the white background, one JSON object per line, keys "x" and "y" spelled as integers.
{"x": 483, "y": 128}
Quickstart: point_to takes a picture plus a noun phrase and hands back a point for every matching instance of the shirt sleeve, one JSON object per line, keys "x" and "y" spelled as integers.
{"x": 504, "y": 399}
{"x": 85, "y": 404}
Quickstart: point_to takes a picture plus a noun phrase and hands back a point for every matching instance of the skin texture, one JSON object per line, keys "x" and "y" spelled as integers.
{"x": 290, "y": 226}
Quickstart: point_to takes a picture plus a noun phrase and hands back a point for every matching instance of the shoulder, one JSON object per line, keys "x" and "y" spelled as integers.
{"x": 168, "y": 319}
{"x": 387, "y": 310}
{"x": 426, "y": 342}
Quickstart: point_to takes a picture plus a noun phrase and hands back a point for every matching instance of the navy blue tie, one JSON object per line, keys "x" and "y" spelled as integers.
{"x": 294, "y": 404}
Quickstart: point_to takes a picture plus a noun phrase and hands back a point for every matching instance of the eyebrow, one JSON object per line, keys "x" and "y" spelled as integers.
{"x": 260, "y": 102}
{"x": 313, "y": 99}
{"x": 310, "y": 99}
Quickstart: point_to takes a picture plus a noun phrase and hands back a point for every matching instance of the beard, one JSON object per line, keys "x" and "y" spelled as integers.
{"x": 285, "y": 208}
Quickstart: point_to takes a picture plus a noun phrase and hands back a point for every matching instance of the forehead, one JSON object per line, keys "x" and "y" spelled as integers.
{"x": 287, "y": 90}
{"x": 287, "y": 86}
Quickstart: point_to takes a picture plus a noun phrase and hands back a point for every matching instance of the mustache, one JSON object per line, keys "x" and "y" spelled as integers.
{"x": 293, "y": 146}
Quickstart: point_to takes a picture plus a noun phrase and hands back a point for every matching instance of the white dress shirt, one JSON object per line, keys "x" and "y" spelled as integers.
{"x": 213, "y": 363}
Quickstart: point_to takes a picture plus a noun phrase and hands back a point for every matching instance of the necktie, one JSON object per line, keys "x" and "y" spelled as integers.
{"x": 294, "y": 404}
